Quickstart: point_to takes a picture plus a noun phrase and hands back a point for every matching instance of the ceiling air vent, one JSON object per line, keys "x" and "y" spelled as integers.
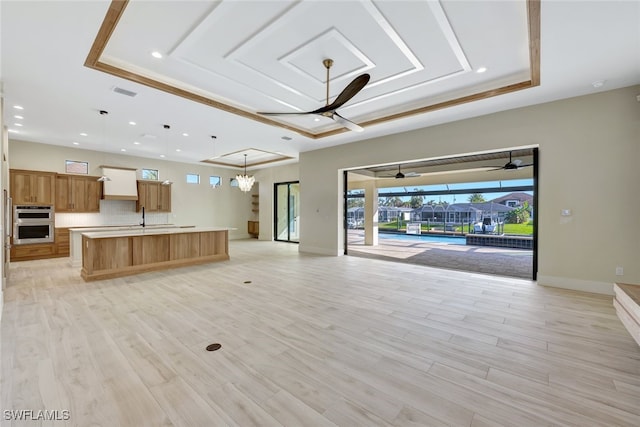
{"x": 121, "y": 91}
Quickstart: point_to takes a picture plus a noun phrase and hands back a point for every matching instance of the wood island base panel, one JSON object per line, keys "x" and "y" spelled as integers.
{"x": 106, "y": 255}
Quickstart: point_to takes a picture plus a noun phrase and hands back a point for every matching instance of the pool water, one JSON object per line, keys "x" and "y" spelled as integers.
{"x": 430, "y": 238}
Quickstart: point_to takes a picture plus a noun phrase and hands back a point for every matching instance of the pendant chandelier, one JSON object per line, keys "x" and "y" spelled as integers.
{"x": 245, "y": 182}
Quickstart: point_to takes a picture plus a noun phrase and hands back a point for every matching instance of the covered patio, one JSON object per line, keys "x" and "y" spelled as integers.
{"x": 480, "y": 259}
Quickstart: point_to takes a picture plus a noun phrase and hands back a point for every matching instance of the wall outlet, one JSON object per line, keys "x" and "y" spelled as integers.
{"x": 619, "y": 271}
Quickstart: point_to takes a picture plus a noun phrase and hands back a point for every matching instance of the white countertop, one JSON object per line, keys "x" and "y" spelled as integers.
{"x": 139, "y": 231}
{"x": 119, "y": 227}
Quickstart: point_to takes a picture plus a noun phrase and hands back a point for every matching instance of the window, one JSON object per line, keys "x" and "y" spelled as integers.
{"x": 150, "y": 174}
{"x": 72, "y": 166}
{"x": 233, "y": 182}
{"x": 193, "y": 178}
{"x": 215, "y": 181}
{"x": 512, "y": 203}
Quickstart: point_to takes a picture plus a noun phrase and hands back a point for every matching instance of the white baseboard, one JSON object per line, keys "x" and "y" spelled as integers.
{"x": 576, "y": 284}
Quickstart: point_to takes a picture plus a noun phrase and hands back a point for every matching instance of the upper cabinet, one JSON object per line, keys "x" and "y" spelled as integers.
{"x": 76, "y": 193}
{"x": 153, "y": 196}
{"x": 32, "y": 187}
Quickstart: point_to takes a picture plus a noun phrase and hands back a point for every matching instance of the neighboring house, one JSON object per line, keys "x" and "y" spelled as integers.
{"x": 461, "y": 212}
{"x": 514, "y": 199}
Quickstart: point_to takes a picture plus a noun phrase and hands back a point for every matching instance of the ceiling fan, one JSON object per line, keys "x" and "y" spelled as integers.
{"x": 329, "y": 110}
{"x": 401, "y": 175}
{"x": 512, "y": 164}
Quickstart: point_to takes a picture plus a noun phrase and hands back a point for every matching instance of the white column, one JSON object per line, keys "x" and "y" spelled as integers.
{"x": 370, "y": 214}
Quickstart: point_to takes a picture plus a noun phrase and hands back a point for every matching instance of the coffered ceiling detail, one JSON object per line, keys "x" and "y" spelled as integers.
{"x": 253, "y": 157}
{"x": 243, "y": 57}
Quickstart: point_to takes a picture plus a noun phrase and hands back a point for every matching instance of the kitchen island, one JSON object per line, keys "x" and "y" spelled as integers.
{"x": 75, "y": 237}
{"x": 109, "y": 254}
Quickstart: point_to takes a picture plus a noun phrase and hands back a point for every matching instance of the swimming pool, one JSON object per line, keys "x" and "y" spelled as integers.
{"x": 449, "y": 240}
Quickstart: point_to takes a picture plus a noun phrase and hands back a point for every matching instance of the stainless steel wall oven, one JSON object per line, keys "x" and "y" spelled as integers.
{"x": 33, "y": 224}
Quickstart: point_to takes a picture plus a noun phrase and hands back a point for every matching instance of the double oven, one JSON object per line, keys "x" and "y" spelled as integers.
{"x": 33, "y": 224}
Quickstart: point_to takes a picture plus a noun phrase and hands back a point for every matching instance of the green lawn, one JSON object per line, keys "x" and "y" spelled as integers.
{"x": 518, "y": 228}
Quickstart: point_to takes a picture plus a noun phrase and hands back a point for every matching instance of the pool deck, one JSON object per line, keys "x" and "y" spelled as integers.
{"x": 479, "y": 259}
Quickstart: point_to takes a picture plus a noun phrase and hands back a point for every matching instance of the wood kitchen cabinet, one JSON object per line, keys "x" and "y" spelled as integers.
{"x": 32, "y": 187}
{"x": 154, "y": 196}
{"x": 78, "y": 193}
{"x": 60, "y": 248}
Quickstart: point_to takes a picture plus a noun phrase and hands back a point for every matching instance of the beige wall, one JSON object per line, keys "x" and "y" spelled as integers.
{"x": 191, "y": 204}
{"x": 589, "y": 154}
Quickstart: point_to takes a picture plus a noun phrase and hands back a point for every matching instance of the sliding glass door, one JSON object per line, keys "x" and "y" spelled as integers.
{"x": 287, "y": 211}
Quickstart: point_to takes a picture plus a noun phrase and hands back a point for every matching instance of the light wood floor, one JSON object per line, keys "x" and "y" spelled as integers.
{"x": 312, "y": 341}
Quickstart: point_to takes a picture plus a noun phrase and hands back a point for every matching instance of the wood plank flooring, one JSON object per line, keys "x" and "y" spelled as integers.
{"x": 312, "y": 341}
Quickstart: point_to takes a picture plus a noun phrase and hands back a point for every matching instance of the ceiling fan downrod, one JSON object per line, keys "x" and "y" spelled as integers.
{"x": 327, "y": 64}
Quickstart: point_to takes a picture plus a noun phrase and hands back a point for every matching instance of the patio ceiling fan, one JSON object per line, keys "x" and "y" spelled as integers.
{"x": 401, "y": 175}
{"x": 512, "y": 165}
{"x": 329, "y": 110}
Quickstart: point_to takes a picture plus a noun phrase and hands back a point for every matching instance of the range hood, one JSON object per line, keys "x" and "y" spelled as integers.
{"x": 121, "y": 183}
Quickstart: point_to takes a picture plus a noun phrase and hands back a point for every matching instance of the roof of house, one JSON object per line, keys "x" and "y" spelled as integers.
{"x": 520, "y": 196}
{"x": 467, "y": 207}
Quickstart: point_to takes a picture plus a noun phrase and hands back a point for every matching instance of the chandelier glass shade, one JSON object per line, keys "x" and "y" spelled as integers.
{"x": 245, "y": 182}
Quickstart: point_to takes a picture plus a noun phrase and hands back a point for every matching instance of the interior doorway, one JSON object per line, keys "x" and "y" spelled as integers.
{"x": 287, "y": 211}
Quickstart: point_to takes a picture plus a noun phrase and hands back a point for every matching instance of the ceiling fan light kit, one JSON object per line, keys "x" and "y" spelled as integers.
{"x": 401, "y": 175}
{"x": 511, "y": 165}
{"x": 329, "y": 110}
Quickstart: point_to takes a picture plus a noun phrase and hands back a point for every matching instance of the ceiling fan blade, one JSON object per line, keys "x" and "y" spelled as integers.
{"x": 346, "y": 123}
{"x": 347, "y": 93}
{"x": 282, "y": 114}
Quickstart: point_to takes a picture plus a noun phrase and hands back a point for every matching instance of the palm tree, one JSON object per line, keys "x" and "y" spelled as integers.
{"x": 476, "y": 198}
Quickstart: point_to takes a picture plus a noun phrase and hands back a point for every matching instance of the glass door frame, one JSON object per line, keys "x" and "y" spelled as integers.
{"x": 275, "y": 210}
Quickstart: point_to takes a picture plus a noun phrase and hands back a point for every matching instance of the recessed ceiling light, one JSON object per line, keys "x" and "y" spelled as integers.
{"x": 156, "y": 54}
{"x": 83, "y": 134}
{"x": 132, "y": 123}
{"x": 13, "y": 131}
{"x": 317, "y": 119}
{"x": 178, "y": 150}
{"x": 123, "y": 149}
{"x": 17, "y": 124}
{"x": 481, "y": 70}
{"x": 162, "y": 155}
{"x": 18, "y": 117}
{"x": 136, "y": 143}
{"x": 185, "y": 134}
{"x": 18, "y": 107}
{"x": 75, "y": 143}
{"x": 598, "y": 83}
